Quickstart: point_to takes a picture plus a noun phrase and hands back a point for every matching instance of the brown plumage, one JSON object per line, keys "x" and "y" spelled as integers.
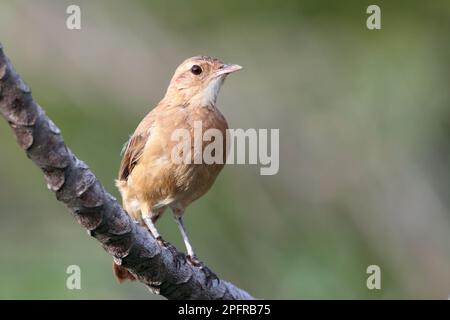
{"x": 149, "y": 180}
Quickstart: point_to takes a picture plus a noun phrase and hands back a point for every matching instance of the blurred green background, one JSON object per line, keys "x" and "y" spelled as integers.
{"x": 364, "y": 120}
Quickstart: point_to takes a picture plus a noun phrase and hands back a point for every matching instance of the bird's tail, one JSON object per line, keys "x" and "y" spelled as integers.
{"x": 122, "y": 273}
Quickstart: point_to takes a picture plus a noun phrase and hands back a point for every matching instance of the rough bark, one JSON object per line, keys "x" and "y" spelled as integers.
{"x": 163, "y": 271}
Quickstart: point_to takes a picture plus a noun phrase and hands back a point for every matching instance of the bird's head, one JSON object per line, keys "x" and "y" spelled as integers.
{"x": 198, "y": 80}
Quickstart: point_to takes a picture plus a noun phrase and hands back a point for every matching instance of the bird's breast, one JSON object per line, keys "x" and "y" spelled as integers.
{"x": 160, "y": 177}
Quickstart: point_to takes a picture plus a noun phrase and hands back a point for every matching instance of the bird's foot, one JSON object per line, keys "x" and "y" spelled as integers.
{"x": 209, "y": 275}
{"x": 178, "y": 257}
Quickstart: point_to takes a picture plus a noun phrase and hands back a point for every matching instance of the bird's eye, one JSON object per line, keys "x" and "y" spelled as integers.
{"x": 196, "y": 69}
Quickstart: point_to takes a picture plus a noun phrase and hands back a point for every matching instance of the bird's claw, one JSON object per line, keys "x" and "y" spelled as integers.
{"x": 178, "y": 257}
{"x": 209, "y": 275}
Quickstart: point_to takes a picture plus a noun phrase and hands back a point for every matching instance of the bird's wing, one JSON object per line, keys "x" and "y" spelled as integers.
{"x": 134, "y": 148}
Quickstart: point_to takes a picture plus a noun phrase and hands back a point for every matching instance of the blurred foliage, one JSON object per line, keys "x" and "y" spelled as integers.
{"x": 364, "y": 123}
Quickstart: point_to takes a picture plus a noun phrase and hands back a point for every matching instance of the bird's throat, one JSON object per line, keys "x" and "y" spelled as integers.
{"x": 208, "y": 94}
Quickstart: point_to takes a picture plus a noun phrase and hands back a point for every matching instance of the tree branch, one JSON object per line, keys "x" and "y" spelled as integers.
{"x": 161, "y": 270}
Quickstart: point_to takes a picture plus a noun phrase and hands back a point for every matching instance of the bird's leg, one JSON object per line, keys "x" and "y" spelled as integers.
{"x": 150, "y": 225}
{"x": 149, "y": 220}
{"x": 179, "y": 220}
{"x": 193, "y": 260}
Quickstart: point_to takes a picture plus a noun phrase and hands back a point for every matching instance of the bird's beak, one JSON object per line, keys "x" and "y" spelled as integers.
{"x": 228, "y": 68}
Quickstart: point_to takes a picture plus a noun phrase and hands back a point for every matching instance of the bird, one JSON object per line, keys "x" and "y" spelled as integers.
{"x": 149, "y": 181}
